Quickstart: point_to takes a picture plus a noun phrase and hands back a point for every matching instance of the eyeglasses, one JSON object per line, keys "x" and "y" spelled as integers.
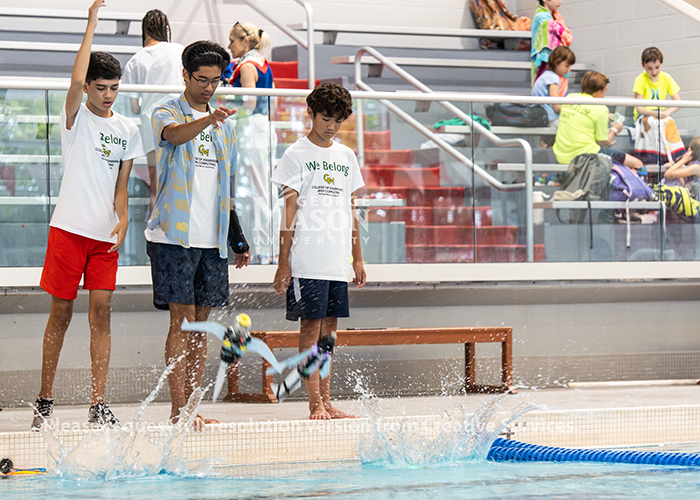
{"x": 238, "y": 23}
{"x": 203, "y": 82}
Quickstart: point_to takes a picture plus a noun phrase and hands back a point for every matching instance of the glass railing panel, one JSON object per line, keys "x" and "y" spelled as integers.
{"x": 24, "y": 186}
{"x": 499, "y": 204}
{"x": 252, "y": 189}
{"x": 417, "y": 200}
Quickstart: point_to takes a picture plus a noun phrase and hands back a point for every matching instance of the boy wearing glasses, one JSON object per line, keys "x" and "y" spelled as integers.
{"x": 187, "y": 232}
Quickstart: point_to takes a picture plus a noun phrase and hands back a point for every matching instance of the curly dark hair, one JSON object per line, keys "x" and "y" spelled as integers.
{"x": 330, "y": 99}
{"x": 103, "y": 66}
{"x": 155, "y": 24}
{"x": 204, "y": 53}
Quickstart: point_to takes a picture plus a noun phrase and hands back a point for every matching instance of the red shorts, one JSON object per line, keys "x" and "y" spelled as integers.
{"x": 69, "y": 256}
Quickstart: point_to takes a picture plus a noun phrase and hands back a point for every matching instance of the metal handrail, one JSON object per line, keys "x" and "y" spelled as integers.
{"x": 308, "y": 44}
{"x": 475, "y": 127}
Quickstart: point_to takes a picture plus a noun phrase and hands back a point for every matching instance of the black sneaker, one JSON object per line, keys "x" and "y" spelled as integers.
{"x": 100, "y": 415}
{"x": 43, "y": 411}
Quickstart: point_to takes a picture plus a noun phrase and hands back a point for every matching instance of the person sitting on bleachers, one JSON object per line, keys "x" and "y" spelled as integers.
{"x": 553, "y": 82}
{"x": 583, "y": 128}
{"x": 655, "y": 84}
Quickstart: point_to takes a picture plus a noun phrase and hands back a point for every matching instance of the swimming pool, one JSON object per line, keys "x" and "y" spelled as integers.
{"x": 399, "y": 457}
{"x": 353, "y": 480}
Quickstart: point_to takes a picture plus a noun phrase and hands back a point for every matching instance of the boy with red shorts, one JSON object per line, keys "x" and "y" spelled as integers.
{"x": 90, "y": 221}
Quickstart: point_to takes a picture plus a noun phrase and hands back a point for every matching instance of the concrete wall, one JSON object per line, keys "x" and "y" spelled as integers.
{"x": 562, "y": 332}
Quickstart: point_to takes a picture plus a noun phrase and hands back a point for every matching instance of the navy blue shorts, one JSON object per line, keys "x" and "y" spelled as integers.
{"x": 193, "y": 276}
{"x": 317, "y": 299}
{"x": 617, "y": 155}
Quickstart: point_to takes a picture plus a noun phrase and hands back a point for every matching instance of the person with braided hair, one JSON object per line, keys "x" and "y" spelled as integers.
{"x": 157, "y": 63}
{"x": 249, "y": 69}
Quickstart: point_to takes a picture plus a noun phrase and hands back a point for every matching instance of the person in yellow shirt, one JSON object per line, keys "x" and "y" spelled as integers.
{"x": 657, "y": 85}
{"x": 654, "y": 84}
{"x": 583, "y": 128}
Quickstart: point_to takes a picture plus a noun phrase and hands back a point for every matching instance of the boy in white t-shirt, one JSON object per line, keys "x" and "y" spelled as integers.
{"x": 319, "y": 232}
{"x": 91, "y": 217}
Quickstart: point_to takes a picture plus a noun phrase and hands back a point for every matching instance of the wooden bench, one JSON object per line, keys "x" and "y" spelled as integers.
{"x": 330, "y": 31}
{"x": 469, "y": 336}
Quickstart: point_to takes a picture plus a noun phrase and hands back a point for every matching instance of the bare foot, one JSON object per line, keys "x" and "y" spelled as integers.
{"x": 319, "y": 414}
{"x": 208, "y": 420}
{"x": 198, "y": 422}
{"x": 335, "y": 413}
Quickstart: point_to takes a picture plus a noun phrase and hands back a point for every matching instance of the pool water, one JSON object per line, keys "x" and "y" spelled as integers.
{"x": 353, "y": 480}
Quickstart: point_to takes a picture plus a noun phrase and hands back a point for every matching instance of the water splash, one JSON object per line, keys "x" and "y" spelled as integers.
{"x": 132, "y": 450}
{"x": 453, "y": 436}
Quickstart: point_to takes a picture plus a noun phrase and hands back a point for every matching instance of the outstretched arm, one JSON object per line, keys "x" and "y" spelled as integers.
{"x": 80, "y": 66}
{"x": 178, "y": 134}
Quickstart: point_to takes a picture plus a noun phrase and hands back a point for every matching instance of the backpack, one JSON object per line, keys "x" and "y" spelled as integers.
{"x": 517, "y": 115}
{"x": 589, "y": 178}
{"x": 627, "y": 185}
{"x": 491, "y": 14}
{"x": 678, "y": 199}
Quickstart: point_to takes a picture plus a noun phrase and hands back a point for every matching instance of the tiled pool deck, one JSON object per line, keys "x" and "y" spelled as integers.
{"x": 265, "y": 433}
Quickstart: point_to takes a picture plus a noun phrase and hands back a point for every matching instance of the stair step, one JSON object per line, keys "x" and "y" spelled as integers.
{"x": 292, "y": 83}
{"x": 284, "y": 69}
{"x": 461, "y": 235}
{"x": 398, "y": 157}
{"x": 401, "y": 176}
{"x": 465, "y": 253}
{"x": 431, "y": 216}
{"x": 374, "y": 139}
{"x": 421, "y": 197}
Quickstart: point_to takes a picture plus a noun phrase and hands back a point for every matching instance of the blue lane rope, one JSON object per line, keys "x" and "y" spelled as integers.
{"x": 506, "y": 450}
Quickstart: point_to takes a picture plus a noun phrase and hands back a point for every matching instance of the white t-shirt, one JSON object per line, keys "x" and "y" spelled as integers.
{"x": 204, "y": 212}
{"x": 204, "y": 209}
{"x": 92, "y": 151}
{"x": 325, "y": 179}
{"x": 159, "y": 64}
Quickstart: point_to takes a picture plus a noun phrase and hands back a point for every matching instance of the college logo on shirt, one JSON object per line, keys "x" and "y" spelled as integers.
{"x": 329, "y": 180}
{"x": 202, "y": 151}
{"x": 332, "y": 166}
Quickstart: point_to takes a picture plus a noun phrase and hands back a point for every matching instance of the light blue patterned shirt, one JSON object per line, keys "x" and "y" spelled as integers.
{"x": 176, "y": 174}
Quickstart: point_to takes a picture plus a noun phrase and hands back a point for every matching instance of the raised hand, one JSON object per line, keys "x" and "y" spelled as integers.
{"x": 92, "y": 11}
